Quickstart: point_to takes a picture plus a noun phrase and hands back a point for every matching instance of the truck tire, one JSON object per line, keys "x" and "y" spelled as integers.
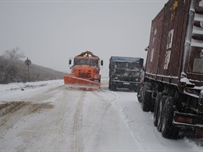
{"x": 146, "y": 98}
{"x": 168, "y": 130}
{"x": 139, "y": 93}
{"x": 113, "y": 87}
{"x": 110, "y": 85}
{"x": 135, "y": 89}
{"x": 160, "y": 112}
{"x": 156, "y": 108}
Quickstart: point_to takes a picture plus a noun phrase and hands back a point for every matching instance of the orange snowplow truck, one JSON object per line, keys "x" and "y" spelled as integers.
{"x": 85, "y": 71}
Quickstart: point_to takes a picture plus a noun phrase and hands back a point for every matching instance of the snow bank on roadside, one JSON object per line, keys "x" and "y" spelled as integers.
{"x": 31, "y": 85}
{"x": 12, "y": 90}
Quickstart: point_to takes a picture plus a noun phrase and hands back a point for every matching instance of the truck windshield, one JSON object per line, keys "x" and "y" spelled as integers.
{"x": 86, "y": 62}
{"x": 127, "y": 65}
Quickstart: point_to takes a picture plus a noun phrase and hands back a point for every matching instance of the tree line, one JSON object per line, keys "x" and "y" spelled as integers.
{"x": 12, "y": 69}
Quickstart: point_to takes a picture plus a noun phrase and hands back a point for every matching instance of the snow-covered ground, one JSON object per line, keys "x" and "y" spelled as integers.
{"x": 49, "y": 116}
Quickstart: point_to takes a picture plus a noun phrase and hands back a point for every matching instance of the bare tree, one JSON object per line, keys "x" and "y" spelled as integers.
{"x": 8, "y": 71}
{"x": 14, "y": 54}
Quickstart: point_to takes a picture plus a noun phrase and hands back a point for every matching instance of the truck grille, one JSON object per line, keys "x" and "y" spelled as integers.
{"x": 84, "y": 75}
{"x": 126, "y": 73}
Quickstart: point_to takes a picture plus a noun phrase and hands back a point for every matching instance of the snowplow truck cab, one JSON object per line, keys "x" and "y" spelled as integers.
{"x": 85, "y": 70}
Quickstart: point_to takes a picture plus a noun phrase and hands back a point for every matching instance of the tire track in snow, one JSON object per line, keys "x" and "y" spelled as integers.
{"x": 107, "y": 130}
{"x": 77, "y": 144}
{"x": 126, "y": 119}
{"x": 37, "y": 136}
{"x": 99, "y": 106}
{"x": 62, "y": 130}
{"x": 129, "y": 123}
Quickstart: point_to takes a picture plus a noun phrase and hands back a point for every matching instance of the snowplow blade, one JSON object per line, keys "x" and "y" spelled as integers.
{"x": 79, "y": 83}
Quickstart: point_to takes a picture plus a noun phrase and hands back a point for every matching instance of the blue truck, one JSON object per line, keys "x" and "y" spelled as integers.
{"x": 125, "y": 72}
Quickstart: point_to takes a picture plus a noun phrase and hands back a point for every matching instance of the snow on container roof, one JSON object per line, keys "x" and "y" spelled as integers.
{"x": 124, "y": 59}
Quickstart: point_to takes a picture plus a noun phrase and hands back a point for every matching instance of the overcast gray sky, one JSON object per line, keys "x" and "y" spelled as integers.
{"x": 50, "y": 32}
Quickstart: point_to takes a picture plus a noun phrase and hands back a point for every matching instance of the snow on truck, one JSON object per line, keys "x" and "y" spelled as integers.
{"x": 173, "y": 81}
{"x": 85, "y": 72}
{"x": 124, "y": 72}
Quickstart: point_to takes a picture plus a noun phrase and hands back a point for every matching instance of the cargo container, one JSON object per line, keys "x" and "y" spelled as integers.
{"x": 173, "y": 81}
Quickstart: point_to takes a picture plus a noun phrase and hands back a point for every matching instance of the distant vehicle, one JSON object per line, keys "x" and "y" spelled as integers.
{"x": 173, "y": 81}
{"x": 85, "y": 72}
{"x": 125, "y": 72}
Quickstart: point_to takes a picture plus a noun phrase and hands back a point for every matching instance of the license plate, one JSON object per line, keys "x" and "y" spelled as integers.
{"x": 126, "y": 83}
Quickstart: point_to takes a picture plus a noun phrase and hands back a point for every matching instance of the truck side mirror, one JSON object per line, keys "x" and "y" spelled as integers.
{"x": 141, "y": 61}
{"x": 70, "y": 61}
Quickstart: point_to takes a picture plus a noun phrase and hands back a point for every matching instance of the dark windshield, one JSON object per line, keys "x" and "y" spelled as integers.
{"x": 86, "y": 62}
{"x": 120, "y": 65}
{"x": 127, "y": 65}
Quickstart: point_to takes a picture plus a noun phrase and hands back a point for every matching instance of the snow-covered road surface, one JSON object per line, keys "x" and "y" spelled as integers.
{"x": 49, "y": 116}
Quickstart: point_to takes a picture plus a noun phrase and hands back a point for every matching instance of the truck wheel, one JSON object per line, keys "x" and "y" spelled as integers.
{"x": 156, "y": 108}
{"x": 139, "y": 93}
{"x": 145, "y": 103}
{"x": 110, "y": 85}
{"x": 168, "y": 130}
{"x": 113, "y": 87}
{"x": 135, "y": 89}
{"x": 160, "y": 112}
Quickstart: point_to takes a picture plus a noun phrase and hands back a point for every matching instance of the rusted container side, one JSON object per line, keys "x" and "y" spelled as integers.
{"x": 154, "y": 44}
{"x": 177, "y": 52}
{"x": 173, "y": 39}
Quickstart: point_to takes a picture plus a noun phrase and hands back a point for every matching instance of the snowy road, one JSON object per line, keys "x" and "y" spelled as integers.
{"x": 49, "y": 116}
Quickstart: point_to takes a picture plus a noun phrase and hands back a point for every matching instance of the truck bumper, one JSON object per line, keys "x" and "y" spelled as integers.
{"x": 126, "y": 84}
{"x": 186, "y": 120}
